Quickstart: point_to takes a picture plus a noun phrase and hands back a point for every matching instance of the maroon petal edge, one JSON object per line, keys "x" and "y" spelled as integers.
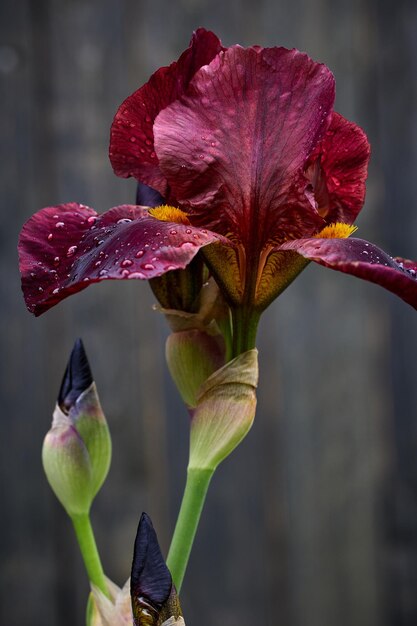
{"x": 338, "y": 169}
{"x": 64, "y": 249}
{"x": 132, "y": 150}
{"x": 363, "y": 259}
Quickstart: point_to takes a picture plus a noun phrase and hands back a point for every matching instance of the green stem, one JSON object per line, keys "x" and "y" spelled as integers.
{"x": 245, "y": 326}
{"x": 89, "y": 552}
{"x": 192, "y": 504}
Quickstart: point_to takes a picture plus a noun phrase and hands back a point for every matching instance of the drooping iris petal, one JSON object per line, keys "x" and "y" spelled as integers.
{"x": 132, "y": 150}
{"x": 338, "y": 169}
{"x": 63, "y": 249}
{"x": 234, "y": 147}
{"x": 362, "y": 259}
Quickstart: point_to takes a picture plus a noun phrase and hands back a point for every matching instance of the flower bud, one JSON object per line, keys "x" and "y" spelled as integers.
{"x": 77, "y": 450}
{"x": 226, "y": 404}
{"x": 192, "y": 356}
{"x": 154, "y": 597}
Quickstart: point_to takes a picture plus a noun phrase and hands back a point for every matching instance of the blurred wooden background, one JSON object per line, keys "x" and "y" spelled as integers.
{"x": 313, "y": 520}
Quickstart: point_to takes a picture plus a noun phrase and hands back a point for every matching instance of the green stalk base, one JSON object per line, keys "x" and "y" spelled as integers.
{"x": 192, "y": 504}
{"x": 89, "y": 552}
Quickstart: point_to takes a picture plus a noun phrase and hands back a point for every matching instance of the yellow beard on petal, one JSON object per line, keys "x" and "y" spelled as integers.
{"x": 166, "y": 213}
{"x": 338, "y": 230}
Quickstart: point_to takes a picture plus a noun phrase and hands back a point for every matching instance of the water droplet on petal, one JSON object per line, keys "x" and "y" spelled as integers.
{"x": 133, "y": 139}
{"x": 97, "y": 264}
{"x": 173, "y": 231}
{"x": 50, "y": 236}
{"x": 92, "y": 220}
{"x": 188, "y": 231}
{"x": 148, "y": 266}
{"x": 103, "y": 272}
{"x": 56, "y": 260}
{"x": 40, "y": 289}
{"x": 126, "y": 263}
{"x": 139, "y": 254}
{"x": 71, "y": 250}
{"x": 124, "y": 220}
{"x": 136, "y": 275}
{"x": 55, "y": 291}
{"x": 125, "y": 273}
{"x": 59, "y": 225}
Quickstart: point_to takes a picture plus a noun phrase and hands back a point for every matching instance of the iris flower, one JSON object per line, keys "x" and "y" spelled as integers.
{"x": 240, "y": 155}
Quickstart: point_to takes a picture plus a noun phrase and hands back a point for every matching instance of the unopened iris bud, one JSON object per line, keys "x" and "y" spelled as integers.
{"x": 226, "y": 404}
{"x": 154, "y": 597}
{"x": 77, "y": 450}
{"x": 192, "y": 356}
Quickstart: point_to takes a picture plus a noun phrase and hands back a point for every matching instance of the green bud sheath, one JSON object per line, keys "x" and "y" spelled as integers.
{"x": 67, "y": 465}
{"x": 192, "y": 356}
{"x": 88, "y": 418}
{"x": 226, "y": 405}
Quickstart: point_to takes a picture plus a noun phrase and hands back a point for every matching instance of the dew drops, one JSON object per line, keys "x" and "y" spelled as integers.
{"x": 154, "y": 258}
{"x": 55, "y": 291}
{"x": 171, "y": 267}
{"x": 71, "y": 250}
{"x": 173, "y": 231}
{"x": 97, "y": 264}
{"x": 148, "y": 266}
{"x": 133, "y": 139}
{"x": 59, "y": 225}
{"x": 201, "y": 156}
{"x": 188, "y": 231}
{"x": 91, "y": 220}
{"x": 40, "y": 289}
{"x": 32, "y": 274}
{"x": 56, "y": 260}
{"x": 124, "y": 220}
{"x": 103, "y": 272}
{"x": 50, "y": 236}
{"x": 139, "y": 254}
{"x": 125, "y": 273}
{"x": 136, "y": 275}
{"x": 126, "y": 263}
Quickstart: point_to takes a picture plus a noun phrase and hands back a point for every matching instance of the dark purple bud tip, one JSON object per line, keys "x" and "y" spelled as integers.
{"x": 146, "y": 196}
{"x": 77, "y": 377}
{"x": 151, "y": 581}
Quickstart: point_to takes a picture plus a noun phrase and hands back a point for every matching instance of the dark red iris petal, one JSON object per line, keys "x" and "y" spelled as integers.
{"x": 362, "y": 259}
{"x": 234, "y": 147}
{"x": 131, "y": 138}
{"x": 338, "y": 169}
{"x": 63, "y": 249}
